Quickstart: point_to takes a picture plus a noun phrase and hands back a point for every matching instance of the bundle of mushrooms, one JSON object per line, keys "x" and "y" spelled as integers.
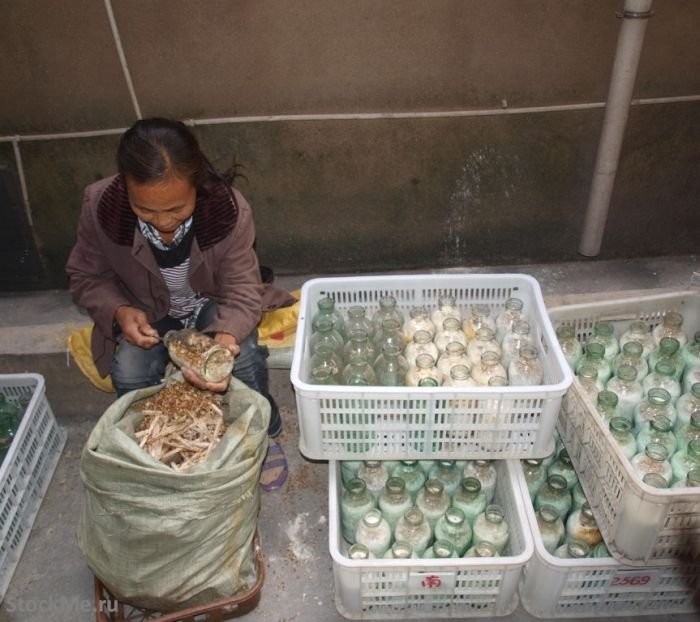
{"x": 181, "y": 426}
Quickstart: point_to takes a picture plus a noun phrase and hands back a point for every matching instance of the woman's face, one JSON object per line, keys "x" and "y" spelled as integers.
{"x": 164, "y": 204}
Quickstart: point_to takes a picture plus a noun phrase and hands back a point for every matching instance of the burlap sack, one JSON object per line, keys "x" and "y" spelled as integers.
{"x": 163, "y": 540}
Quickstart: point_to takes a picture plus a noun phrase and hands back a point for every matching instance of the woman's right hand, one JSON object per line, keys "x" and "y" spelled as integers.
{"x": 135, "y": 327}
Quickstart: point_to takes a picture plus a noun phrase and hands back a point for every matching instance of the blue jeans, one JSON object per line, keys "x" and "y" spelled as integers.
{"x": 135, "y": 368}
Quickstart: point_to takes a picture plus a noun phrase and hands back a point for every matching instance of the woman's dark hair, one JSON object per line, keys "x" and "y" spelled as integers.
{"x": 155, "y": 149}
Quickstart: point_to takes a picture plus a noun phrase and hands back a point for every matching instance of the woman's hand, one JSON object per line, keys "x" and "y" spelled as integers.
{"x": 135, "y": 327}
{"x": 224, "y": 339}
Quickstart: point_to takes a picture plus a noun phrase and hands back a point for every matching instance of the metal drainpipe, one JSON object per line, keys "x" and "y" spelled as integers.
{"x": 629, "y": 47}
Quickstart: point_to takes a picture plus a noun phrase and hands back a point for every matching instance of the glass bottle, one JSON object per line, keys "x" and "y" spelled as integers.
{"x": 485, "y": 472}
{"x": 447, "y": 472}
{"x": 453, "y": 527}
{"x": 489, "y": 367}
{"x": 394, "y": 500}
{"x": 391, "y": 367}
{"x": 358, "y": 320}
{"x": 689, "y": 431}
{"x": 459, "y": 376}
{"x": 191, "y": 348}
{"x": 419, "y": 319}
{"x": 555, "y": 492}
{"x": 322, "y": 375}
{"x": 359, "y": 551}
{"x": 400, "y": 550}
{"x": 375, "y": 474}
{"x": 573, "y": 549}
{"x": 551, "y": 527}
{"x": 422, "y": 343}
{"x": 606, "y": 405}
{"x": 387, "y": 310}
{"x": 657, "y": 402}
{"x": 425, "y": 368}
{"x": 355, "y": 502}
{"x": 669, "y": 351}
{"x": 482, "y": 549}
{"x": 484, "y": 341}
{"x": 588, "y": 377}
{"x": 518, "y": 336}
{"x": 663, "y": 377}
{"x": 348, "y": 470}
{"x": 594, "y": 354}
{"x": 658, "y": 430}
{"x": 412, "y": 475}
{"x": 479, "y": 317}
{"x": 562, "y": 466}
{"x": 604, "y": 334}
{"x": 432, "y": 501}
{"x": 640, "y": 332}
{"x": 389, "y": 333}
{"x": 414, "y": 529}
{"x": 671, "y": 326}
{"x": 326, "y": 334}
{"x": 692, "y": 480}
{"x": 691, "y": 376}
{"x": 469, "y": 498}
{"x": 621, "y": 431}
{"x": 441, "y": 549}
{"x": 631, "y": 354}
{"x": 8, "y": 429}
{"x": 373, "y": 531}
{"x": 327, "y": 310}
{"x": 655, "y": 480}
{"x": 570, "y": 345}
{"x": 687, "y": 404}
{"x": 535, "y": 475}
{"x": 455, "y": 354}
{"x": 628, "y": 389}
{"x": 691, "y": 351}
{"x": 654, "y": 459}
{"x": 359, "y": 343}
{"x": 358, "y": 371}
{"x": 582, "y": 526}
{"x": 491, "y": 526}
{"x": 526, "y": 369}
{"x": 446, "y": 307}
{"x": 512, "y": 312}
{"x": 578, "y": 496}
{"x": 684, "y": 460}
{"x": 601, "y": 550}
{"x": 450, "y": 330}
{"x": 325, "y": 357}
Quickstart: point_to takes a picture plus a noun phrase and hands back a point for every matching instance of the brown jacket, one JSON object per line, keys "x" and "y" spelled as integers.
{"x": 112, "y": 264}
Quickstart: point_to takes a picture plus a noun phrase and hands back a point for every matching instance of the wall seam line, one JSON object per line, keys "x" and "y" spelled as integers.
{"x": 362, "y": 116}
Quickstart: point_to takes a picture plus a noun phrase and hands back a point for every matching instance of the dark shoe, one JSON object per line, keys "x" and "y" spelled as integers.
{"x": 274, "y": 470}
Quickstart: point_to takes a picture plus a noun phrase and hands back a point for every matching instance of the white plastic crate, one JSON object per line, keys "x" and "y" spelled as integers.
{"x": 641, "y": 524}
{"x": 387, "y": 423}
{"x": 27, "y": 469}
{"x": 428, "y": 588}
{"x": 557, "y": 588}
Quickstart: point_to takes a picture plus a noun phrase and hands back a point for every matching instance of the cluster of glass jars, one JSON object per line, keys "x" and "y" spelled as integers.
{"x": 646, "y": 385}
{"x": 421, "y": 509}
{"x": 10, "y": 417}
{"x": 564, "y": 516}
{"x": 431, "y": 347}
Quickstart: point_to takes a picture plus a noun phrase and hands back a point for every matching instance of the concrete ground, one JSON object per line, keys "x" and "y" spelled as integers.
{"x": 52, "y": 581}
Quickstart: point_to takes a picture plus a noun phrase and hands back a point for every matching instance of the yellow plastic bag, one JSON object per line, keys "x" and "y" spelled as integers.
{"x": 277, "y": 329}
{"x": 79, "y": 347}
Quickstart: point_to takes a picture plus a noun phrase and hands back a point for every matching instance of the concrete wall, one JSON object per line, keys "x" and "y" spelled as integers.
{"x": 333, "y": 193}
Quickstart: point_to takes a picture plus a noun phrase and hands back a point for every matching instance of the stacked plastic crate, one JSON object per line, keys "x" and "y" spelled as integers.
{"x": 653, "y": 534}
{"x": 400, "y": 423}
{"x": 27, "y": 469}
